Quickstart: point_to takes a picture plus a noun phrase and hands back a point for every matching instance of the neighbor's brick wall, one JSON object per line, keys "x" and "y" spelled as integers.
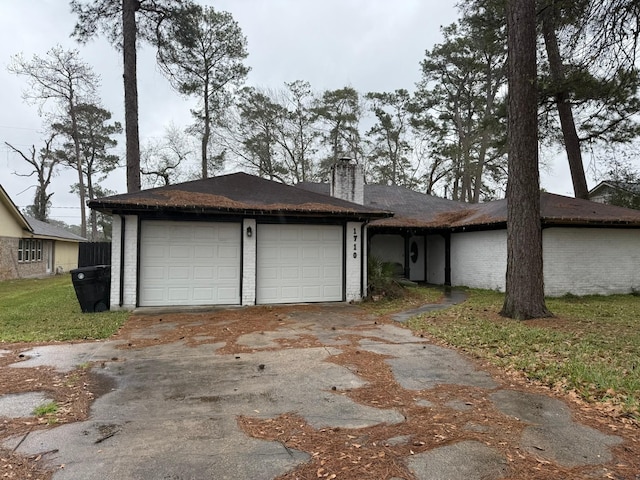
{"x": 249, "y": 263}
{"x": 354, "y": 242}
{"x": 586, "y": 261}
{"x": 8, "y": 258}
{"x": 9, "y": 266}
{"x": 479, "y": 259}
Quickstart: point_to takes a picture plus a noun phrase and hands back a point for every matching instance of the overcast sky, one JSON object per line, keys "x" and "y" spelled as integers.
{"x": 371, "y": 45}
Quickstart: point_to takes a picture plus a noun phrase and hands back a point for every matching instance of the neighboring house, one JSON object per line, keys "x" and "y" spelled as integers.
{"x": 239, "y": 239}
{"x": 620, "y": 193}
{"x": 31, "y": 248}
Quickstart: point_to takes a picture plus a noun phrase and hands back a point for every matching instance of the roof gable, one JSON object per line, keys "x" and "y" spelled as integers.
{"x": 12, "y": 212}
{"x": 608, "y": 186}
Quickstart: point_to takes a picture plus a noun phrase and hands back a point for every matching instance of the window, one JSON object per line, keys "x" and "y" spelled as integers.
{"x": 29, "y": 250}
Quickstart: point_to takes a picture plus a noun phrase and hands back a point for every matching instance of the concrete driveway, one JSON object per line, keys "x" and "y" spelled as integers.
{"x": 310, "y": 392}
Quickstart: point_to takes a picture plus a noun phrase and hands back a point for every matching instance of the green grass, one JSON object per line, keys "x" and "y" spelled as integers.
{"x": 46, "y": 309}
{"x": 46, "y": 409}
{"x": 591, "y": 347}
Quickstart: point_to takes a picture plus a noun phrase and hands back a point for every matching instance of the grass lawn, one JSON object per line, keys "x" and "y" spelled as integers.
{"x": 46, "y": 309}
{"x": 591, "y": 346}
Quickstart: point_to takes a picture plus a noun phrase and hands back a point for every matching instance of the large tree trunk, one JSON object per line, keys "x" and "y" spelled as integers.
{"x": 129, "y": 32}
{"x": 563, "y": 103}
{"x": 524, "y": 281}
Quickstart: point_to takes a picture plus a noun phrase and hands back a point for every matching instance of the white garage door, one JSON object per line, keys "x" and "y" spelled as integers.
{"x": 189, "y": 263}
{"x": 299, "y": 263}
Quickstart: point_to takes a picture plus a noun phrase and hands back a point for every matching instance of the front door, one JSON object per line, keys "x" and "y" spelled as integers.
{"x": 417, "y": 259}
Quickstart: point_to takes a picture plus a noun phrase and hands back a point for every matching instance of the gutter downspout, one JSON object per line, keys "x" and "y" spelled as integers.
{"x": 122, "y": 228}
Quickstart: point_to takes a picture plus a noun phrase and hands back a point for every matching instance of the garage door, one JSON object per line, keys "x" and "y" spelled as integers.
{"x": 189, "y": 263}
{"x": 299, "y": 263}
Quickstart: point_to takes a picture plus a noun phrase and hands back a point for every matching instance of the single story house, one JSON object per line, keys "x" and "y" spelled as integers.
{"x": 235, "y": 240}
{"x": 240, "y": 239}
{"x": 31, "y": 248}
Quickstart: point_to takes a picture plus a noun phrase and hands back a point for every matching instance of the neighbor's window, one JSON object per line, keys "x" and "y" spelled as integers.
{"x": 29, "y": 250}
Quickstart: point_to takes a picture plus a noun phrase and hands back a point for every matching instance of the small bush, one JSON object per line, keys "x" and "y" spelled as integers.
{"x": 383, "y": 281}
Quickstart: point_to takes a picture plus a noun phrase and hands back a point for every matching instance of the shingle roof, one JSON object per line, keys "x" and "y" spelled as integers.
{"x": 554, "y": 210}
{"x": 44, "y": 229}
{"x": 413, "y": 209}
{"x": 235, "y": 193}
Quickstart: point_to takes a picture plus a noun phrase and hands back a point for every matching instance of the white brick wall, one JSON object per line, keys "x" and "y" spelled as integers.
{"x": 249, "y": 263}
{"x": 479, "y": 259}
{"x": 116, "y": 232}
{"x": 130, "y": 299}
{"x": 354, "y": 242}
{"x": 585, "y": 261}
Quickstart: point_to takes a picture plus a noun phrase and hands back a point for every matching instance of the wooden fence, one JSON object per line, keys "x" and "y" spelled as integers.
{"x": 94, "y": 253}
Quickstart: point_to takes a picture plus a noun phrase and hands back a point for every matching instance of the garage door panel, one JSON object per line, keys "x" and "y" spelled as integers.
{"x": 152, "y": 273}
{"x": 203, "y": 294}
{"x": 178, "y": 273}
{"x": 299, "y": 263}
{"x": 204, "y": 273}
{"x": 203, "y": 251}
{"x": 179, "y": 251}
{"x": 228, "y": 252}
{"x": 312, "y": 273}
{"x": 228, "y": 273}
{"x": 189, "y": 263}
{"x": 178, "y": 294}
{"x": 227, "y": 295}
{"x": 310, "y": 252}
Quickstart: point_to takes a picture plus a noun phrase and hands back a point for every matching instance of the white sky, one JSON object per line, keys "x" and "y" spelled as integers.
{"x": 371, "y": 45}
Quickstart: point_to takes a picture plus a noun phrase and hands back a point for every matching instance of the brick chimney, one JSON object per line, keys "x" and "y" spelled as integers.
{"x": 347, "y": 181}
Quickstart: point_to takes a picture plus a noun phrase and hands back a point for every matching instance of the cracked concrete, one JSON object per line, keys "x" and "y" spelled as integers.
{"x": 173, "y": 414}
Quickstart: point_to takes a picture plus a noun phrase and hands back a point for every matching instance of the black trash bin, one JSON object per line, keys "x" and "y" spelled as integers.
{"x": 92, "y": 285}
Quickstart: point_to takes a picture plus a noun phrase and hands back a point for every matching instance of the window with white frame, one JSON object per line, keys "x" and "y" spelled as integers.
{"x": 29, "y": 250}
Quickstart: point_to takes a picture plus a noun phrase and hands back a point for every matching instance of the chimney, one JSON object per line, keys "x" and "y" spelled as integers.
{"x": 347, "y": 181}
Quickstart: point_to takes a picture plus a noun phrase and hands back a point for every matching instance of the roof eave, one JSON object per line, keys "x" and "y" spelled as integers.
{"x": 127, "y": 208}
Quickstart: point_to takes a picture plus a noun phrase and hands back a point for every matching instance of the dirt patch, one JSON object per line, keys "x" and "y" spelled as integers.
{"x": 435, "y": 417}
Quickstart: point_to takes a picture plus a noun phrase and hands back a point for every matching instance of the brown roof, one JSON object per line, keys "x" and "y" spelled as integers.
{"x": 555, "y": 210}
{"x": 237, "y": 193}
{"x": 410, "y": 208}
{"x": 418, "y": 210}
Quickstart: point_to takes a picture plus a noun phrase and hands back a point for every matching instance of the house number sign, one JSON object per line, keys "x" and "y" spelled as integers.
{"x": 355, "y": 243}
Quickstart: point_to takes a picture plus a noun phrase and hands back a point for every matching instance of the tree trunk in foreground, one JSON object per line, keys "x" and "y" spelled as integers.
{"x": 524, "y": 282}
{"x": 129, "y": 33}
